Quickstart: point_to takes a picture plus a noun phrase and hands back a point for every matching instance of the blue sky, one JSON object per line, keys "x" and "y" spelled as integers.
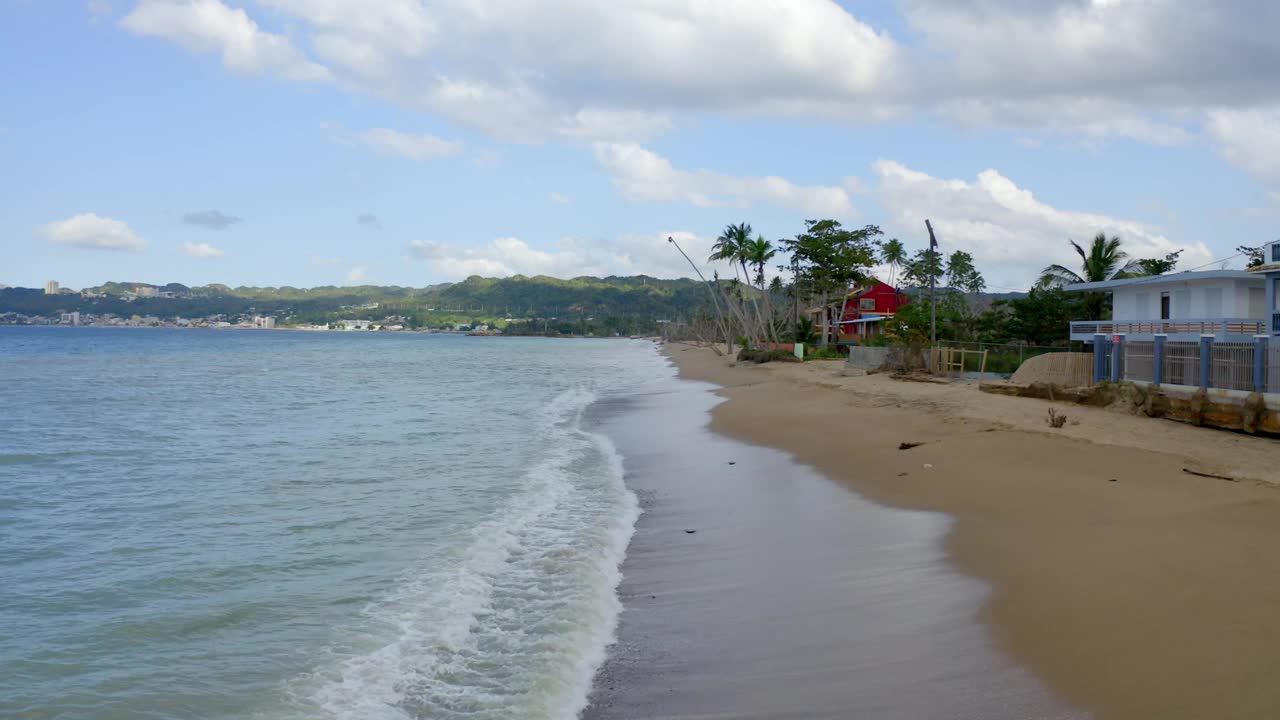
{"x": 203, "y": 141}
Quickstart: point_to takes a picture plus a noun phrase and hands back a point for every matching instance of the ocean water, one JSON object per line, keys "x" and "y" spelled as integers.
{"x": 280, "y": 525}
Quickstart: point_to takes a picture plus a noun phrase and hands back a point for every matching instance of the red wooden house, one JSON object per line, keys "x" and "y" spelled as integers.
{"x": 859, "y": 314}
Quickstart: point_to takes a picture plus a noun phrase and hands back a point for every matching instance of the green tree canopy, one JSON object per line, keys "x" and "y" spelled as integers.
{"x": 757, "y": 253}
{"x": 1253, "y": 255}
{"x": 893, "y": 254}
{"x": 962, "y": 275}
{"x": 831, "y": 258}
{"x": 1152, "y": 266}
{"x": 925, "y": 268}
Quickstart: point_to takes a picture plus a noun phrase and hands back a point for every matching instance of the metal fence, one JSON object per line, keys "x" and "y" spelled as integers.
{"x": 1182, "y": 364}
{"x": 1231, "y": 366}
{"x": 1140, "y": 361}
{"x": 1273, "y": 369}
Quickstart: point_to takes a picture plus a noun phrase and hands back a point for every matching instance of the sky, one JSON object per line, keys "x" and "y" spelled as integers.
{"x": 409, "y": 142}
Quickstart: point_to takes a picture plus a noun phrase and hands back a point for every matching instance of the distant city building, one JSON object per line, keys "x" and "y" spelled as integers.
{"x": 52, "y": 288}
{"x": 357, "y": 325}
{"x": 71, "y": 318}
{"x": 147, "y": 291}
{"x": 265, "y": 323}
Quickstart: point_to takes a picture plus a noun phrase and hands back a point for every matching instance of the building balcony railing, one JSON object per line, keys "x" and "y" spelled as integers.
{"x": 1222, "y": 328}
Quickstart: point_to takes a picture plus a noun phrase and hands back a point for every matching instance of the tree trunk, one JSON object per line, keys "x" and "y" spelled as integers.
{"x": 826, "y": 320}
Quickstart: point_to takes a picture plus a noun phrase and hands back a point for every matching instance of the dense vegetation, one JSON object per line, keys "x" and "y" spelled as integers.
{"x": 609, "y": 305}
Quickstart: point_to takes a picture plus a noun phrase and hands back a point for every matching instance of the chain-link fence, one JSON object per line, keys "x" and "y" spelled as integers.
{"x": 1005, "y": 358}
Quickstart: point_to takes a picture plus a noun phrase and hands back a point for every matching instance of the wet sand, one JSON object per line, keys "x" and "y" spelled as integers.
{"x": 794, "y": 597}
{"x": 1130, "y": 588}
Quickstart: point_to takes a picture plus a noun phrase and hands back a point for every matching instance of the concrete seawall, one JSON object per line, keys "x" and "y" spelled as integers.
{"x": 1254, "y": 413}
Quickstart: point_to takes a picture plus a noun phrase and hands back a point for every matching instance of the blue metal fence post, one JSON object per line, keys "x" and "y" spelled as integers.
{"x": 1099, "y": 357}
{"x": 1117, "y": 357}
{"x": 1206, "y": 359}
{"x": 1157, "y": 360}
{"x": 1259, "y": 363}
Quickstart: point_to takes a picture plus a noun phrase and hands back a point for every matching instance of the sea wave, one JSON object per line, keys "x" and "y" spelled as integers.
{"x": 515, "y": 620}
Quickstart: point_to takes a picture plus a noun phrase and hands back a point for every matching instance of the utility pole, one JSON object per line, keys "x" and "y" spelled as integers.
{"x": 933, "y": 281}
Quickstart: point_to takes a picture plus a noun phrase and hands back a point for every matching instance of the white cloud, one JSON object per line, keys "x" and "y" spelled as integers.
{"x": 89, "y": 230}
{"x": 358, "y": 274}
{"x": 211, "y": 26}
{"x": 1091, "y": 119}
{"x": 591, "y": 69}
{"x": 560, "y": 198}
{"x": 642, "y": 174}
{"x": 1249, "y": 139}
{"x": 1166, "y": 55}
{"x": 1011, "y": 234}
{"x": 620, "y": 72}
{"x": 414, "y": 147}
{"x": 635, "y": 254}
{"x": 201, "y": 250}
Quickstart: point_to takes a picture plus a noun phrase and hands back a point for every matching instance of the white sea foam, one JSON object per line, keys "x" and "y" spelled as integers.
{"x": 515, "y": 621}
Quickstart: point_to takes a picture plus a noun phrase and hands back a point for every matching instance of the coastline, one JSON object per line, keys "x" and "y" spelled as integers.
{"x": 1129, "y": 587}
{"x": 755, "y": 587}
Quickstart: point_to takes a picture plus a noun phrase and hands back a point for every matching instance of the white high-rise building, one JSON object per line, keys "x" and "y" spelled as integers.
{"x": 264, "y": 322}
{"x": 71, "y": 318}
{"x": 52, "y": 288}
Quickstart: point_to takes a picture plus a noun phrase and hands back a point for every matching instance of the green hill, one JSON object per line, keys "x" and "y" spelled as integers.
{"x": 583, "y": 304}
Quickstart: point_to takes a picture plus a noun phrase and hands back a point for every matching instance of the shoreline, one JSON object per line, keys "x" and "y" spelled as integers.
{"x": 755, "y": 587}
{"x": 1130, "y": 588}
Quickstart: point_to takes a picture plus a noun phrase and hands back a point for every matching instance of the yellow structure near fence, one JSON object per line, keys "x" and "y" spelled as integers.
{"x": 956, "y": 361}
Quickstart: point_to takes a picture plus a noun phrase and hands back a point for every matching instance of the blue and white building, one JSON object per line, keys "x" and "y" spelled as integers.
{"x": 1216, "y": 329}
{"x": 1269, "y": 271}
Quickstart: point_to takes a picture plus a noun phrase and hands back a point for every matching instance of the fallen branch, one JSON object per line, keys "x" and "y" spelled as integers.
{"x": 1208, "y": 475}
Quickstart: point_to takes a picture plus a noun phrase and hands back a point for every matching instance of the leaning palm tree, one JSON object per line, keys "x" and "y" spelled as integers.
{"x": 893, "y": 254}
{"x": 1103, "y": 261}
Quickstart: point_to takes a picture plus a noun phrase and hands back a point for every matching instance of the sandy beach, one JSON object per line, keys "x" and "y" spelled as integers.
{"x": 755, "y": 588}
{"x": 1129, "y": 587}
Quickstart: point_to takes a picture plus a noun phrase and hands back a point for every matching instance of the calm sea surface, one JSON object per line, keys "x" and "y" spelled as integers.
{"x": 277, "y": 525}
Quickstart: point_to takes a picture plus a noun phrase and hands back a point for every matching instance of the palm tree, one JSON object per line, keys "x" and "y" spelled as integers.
{"x": 756, "y": 253}
{"x": 1103, "y": 261}
{"x": 731, "y": 244}
{"x": 893, "y": 254}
